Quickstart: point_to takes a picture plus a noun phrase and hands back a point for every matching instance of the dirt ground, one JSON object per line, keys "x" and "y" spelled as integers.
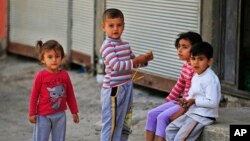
{"x": 16, "y": 76}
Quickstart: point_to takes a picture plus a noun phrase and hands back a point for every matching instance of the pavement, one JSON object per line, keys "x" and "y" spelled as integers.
{"x": 17, "y": 72}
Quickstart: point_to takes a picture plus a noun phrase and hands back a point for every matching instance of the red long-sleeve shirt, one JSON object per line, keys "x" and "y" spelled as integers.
{"x": 51, "y": 93}
{"x": 183, "y": 83}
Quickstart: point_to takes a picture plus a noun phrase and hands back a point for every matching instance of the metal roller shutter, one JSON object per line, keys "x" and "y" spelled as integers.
{"x": 32, "y": 20}
{"x": 154, "y": 25}
{"x": 83, "y": 27}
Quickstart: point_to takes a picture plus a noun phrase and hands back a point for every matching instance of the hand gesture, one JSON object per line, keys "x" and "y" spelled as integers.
{"x": 179, "y": 101}
{"x": 32, "y": 119}
{"x": 143, "y": 59}
{"x": 183, "y": 103}
{"x": 149, "y": 56}
{"x": 75, "y": 118}
{"x": 190, "y": 102}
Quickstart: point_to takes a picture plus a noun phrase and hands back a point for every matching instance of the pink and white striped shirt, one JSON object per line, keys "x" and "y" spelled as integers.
{"x": 183, "y": 83}
{"x": 117, "y": 57}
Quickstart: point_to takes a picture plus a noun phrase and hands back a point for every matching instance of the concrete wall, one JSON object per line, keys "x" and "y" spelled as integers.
{"x": 99, "y": 34}
{"x": 219, "y": 17}
{"x": 211, "y": 30}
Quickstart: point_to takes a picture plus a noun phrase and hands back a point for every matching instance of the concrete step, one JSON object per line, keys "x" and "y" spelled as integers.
{"x": 219, "y": 131}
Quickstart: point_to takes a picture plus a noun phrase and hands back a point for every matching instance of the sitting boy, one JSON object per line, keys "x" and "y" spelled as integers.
{"x": 203, "y": 100}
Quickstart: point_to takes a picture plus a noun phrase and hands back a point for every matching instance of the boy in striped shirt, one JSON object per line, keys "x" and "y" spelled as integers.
{"x": 116, "y": 94}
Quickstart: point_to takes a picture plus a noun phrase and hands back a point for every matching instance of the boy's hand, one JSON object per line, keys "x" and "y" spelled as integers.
{"x": 149, "y": 56}
{"x": 190, "y": 102}
{"x": 179, "y": 101}
{"x": 32, "y": 119}
{"x": 75, "y": 118}
{"x": 182, "y": 102}
{"x": 143, "y": 59}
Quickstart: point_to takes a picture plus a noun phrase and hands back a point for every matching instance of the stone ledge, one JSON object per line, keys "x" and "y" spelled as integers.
{"x": 219, "y": 131}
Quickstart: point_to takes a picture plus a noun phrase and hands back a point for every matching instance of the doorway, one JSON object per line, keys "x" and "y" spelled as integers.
{"x": 244, "y": 64}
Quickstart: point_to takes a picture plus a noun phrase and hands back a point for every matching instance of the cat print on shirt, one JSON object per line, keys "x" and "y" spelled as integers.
{"x": 56, "y": 94}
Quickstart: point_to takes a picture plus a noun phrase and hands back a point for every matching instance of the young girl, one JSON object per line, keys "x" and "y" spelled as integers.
{"x": 159, "y": 117}
{"x": 52, "y": 90}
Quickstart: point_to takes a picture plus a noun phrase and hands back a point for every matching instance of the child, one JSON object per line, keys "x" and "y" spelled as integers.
{"x": 52, "y": 90}
{"x": 116, "y": 94}
{"x": 203, "y": 100}
{"x": 159, "y": 117}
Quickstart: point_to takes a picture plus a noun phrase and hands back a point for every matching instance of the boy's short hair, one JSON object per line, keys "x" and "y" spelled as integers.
{"x": 112, "y": 13}
{"x": 193, "y": 37}
{"x": 202, "y": 48}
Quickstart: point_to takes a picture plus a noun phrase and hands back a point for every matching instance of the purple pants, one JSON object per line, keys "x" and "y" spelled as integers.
{"x": 158, "y": 118}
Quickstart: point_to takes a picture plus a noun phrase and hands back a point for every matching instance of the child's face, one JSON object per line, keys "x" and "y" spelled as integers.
{"x": 113, "y": 27}
{"x": 52, "y": 60}
{"x": 184, "y": 48}
{"x": 200, "y": 63}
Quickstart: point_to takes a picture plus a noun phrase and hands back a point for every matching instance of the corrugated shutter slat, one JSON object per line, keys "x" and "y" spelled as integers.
{"x": 83, "y": 27}
{"x": 32, "y": 20}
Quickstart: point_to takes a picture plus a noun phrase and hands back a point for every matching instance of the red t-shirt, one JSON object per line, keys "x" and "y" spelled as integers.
{"x": 51, "y": 93}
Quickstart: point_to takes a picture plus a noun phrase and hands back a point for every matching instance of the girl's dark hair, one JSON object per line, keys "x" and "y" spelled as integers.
{"x": 48, "y": 45}
{"x": 193, "y": 37}
{"x": 112, "y": 13}
{"x": 202, "y": 48}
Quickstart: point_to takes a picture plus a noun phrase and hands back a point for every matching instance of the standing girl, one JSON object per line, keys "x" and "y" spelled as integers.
{"x": 159, "y": 117}
{"x": 52, "y": 90}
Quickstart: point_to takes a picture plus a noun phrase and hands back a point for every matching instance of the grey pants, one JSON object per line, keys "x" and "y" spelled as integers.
{"x": 116, "y": 112}
{"x": 54, "y": 124}
{"x": 184, "y": 128}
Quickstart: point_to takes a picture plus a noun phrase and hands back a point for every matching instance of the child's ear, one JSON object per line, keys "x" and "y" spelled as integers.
{"x": 210, "y": 61}
{"x": 103, "y": 27}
